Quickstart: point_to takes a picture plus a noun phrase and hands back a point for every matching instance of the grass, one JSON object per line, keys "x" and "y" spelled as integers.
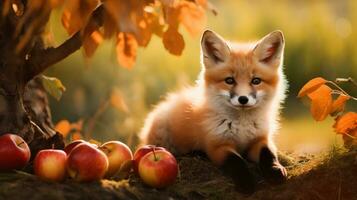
{"x": 327, "y": 176}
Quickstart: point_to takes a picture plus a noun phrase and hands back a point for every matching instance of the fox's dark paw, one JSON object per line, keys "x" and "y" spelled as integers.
{"x": 275, "y": 173}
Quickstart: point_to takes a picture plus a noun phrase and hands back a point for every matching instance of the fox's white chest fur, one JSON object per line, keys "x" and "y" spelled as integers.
{"x": 241, "y": 127}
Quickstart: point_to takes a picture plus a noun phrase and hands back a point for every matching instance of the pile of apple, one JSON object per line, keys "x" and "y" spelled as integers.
{"x": 83, "y": 161}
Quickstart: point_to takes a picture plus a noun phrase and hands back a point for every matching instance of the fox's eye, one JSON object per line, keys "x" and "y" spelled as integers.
{"x": 229, "y": 80}
{"x": 256, "y": 81}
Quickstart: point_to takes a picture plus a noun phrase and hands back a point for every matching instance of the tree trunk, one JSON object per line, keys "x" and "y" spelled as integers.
{"x": 24, "y": 111}
{"x": 37, "y": 107}
{"x": 23, "y": 107}
{"x": 23, "y": 56}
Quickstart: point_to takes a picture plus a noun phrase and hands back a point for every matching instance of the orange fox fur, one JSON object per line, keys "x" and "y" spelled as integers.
{"x": 212, "y": 116}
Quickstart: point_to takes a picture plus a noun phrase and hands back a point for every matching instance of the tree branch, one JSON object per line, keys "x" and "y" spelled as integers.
{"x": 43, "y": 59}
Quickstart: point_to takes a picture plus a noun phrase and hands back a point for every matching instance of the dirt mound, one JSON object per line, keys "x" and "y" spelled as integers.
{"x": 310, "y": 177}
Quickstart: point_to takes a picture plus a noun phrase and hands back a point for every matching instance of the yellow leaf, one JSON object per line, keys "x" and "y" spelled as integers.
{"x": 173, "y": 41}
{"x": 346, "y": 123}
{"x": 311, "y": 86}
{"x": 63, "y": 127}
{"x": 53, "y": 86}
{"x": 321, "y": 102}
{"x": 126, "y": 49}
{"x": 338, "y": 105}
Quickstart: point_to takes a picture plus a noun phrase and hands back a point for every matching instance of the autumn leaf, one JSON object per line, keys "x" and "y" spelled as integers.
{"x": 321, "y": 102}
{"x": 126, "y": 49}
{"x": 63, "y": 127}
{"x": 91, "y": 43}
{"x": 77, "y": 126}
{"x": 76, "y": 14}
{"x": 109, "y": 29}
{"x": 338, "y": 105}
{"x": 173, "y": 41}
{"x": 76, "y": 136}
{"x": 123, "y": 12}
{"x": 53, "y": 86}
{"x": 311, "y": 86}
{"x": 346, "y": 123}
{"x": 117, "y": 100}
{"x": 207, "y": 5}
{"x": 34, "y": 18}
{"x": 350, "y": 140}
{"x": 192, "y": 17}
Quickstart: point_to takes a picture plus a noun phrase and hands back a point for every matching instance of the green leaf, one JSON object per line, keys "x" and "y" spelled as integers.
{"x": 53, "y": 86}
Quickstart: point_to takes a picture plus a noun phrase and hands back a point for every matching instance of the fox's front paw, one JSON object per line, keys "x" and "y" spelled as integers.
{"x": 276, "y": 173}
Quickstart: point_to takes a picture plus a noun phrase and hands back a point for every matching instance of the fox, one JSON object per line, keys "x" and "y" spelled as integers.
{"x": 232, "y": 112}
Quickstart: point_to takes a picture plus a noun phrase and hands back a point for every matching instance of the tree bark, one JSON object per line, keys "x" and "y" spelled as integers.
{"x": 30, "y": 123}
{"x": 24, "y": 106}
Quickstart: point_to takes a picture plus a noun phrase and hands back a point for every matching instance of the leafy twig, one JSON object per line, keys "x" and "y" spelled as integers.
{"x": 342, "y": 90}
{"x": 349, "y": 79}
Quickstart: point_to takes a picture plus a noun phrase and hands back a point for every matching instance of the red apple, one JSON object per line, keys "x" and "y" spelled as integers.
{"x": 14, "y": 152}
{"x": 50, "y": 164}
{"x": 71, "y": 146}
{"x": 118, "y": 153}
{"x": 87, "y": 163}
{"x": 142, "y": 151}
{"x": 158, "y": 169}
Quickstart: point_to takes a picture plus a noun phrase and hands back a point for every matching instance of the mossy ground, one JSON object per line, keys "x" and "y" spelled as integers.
{"x": 330, "y": 176}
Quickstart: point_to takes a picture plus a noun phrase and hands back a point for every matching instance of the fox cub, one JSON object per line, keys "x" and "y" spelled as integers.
{"x": 231, "y": 113}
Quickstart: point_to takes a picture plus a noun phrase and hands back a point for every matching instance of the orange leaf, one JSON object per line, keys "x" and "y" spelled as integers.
{"x": 117, "y": 100}
{"x": 349, "y": 141}
{"x": 339, "y": 104}
{"x": 78, "y": 126}
{"x": 123, "y": 13}
{"x": 321, "y": 102}
{"x": 144, "y": 32}
{"x": 346, "y": 123}
{"x": 311, "y": 86}
{"x": 202, "y": 3}
{"x": 192, "y": 17}
{"x": 126, "y": 49}
{"x": 76, "y": 136}
{"x": 63, "y": 127}
{"x": 76, "y": 14}
{"x": 55, "y": 3}
{"x": 91, "y": 43}
{"x": 173, "y": 41}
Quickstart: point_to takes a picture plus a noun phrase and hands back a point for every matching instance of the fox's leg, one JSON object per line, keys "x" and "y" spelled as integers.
{"x": 233, "y": 165}
{"x": 264, "y": 153}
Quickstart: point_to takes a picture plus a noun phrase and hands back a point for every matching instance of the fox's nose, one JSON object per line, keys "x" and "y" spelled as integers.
{"x": 243, "y": 100}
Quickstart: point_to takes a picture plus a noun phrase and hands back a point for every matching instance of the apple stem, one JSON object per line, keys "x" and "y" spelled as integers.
{"x": 20, "y": 143}
{"x": 153, "y": 150}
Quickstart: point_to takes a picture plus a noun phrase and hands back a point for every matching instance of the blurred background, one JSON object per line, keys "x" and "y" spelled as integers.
{"x": 321, "y": 38}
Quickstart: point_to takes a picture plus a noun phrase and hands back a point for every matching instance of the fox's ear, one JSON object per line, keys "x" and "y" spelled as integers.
{"x": 214, "y": 49}
{"x": 269, "y": 50}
